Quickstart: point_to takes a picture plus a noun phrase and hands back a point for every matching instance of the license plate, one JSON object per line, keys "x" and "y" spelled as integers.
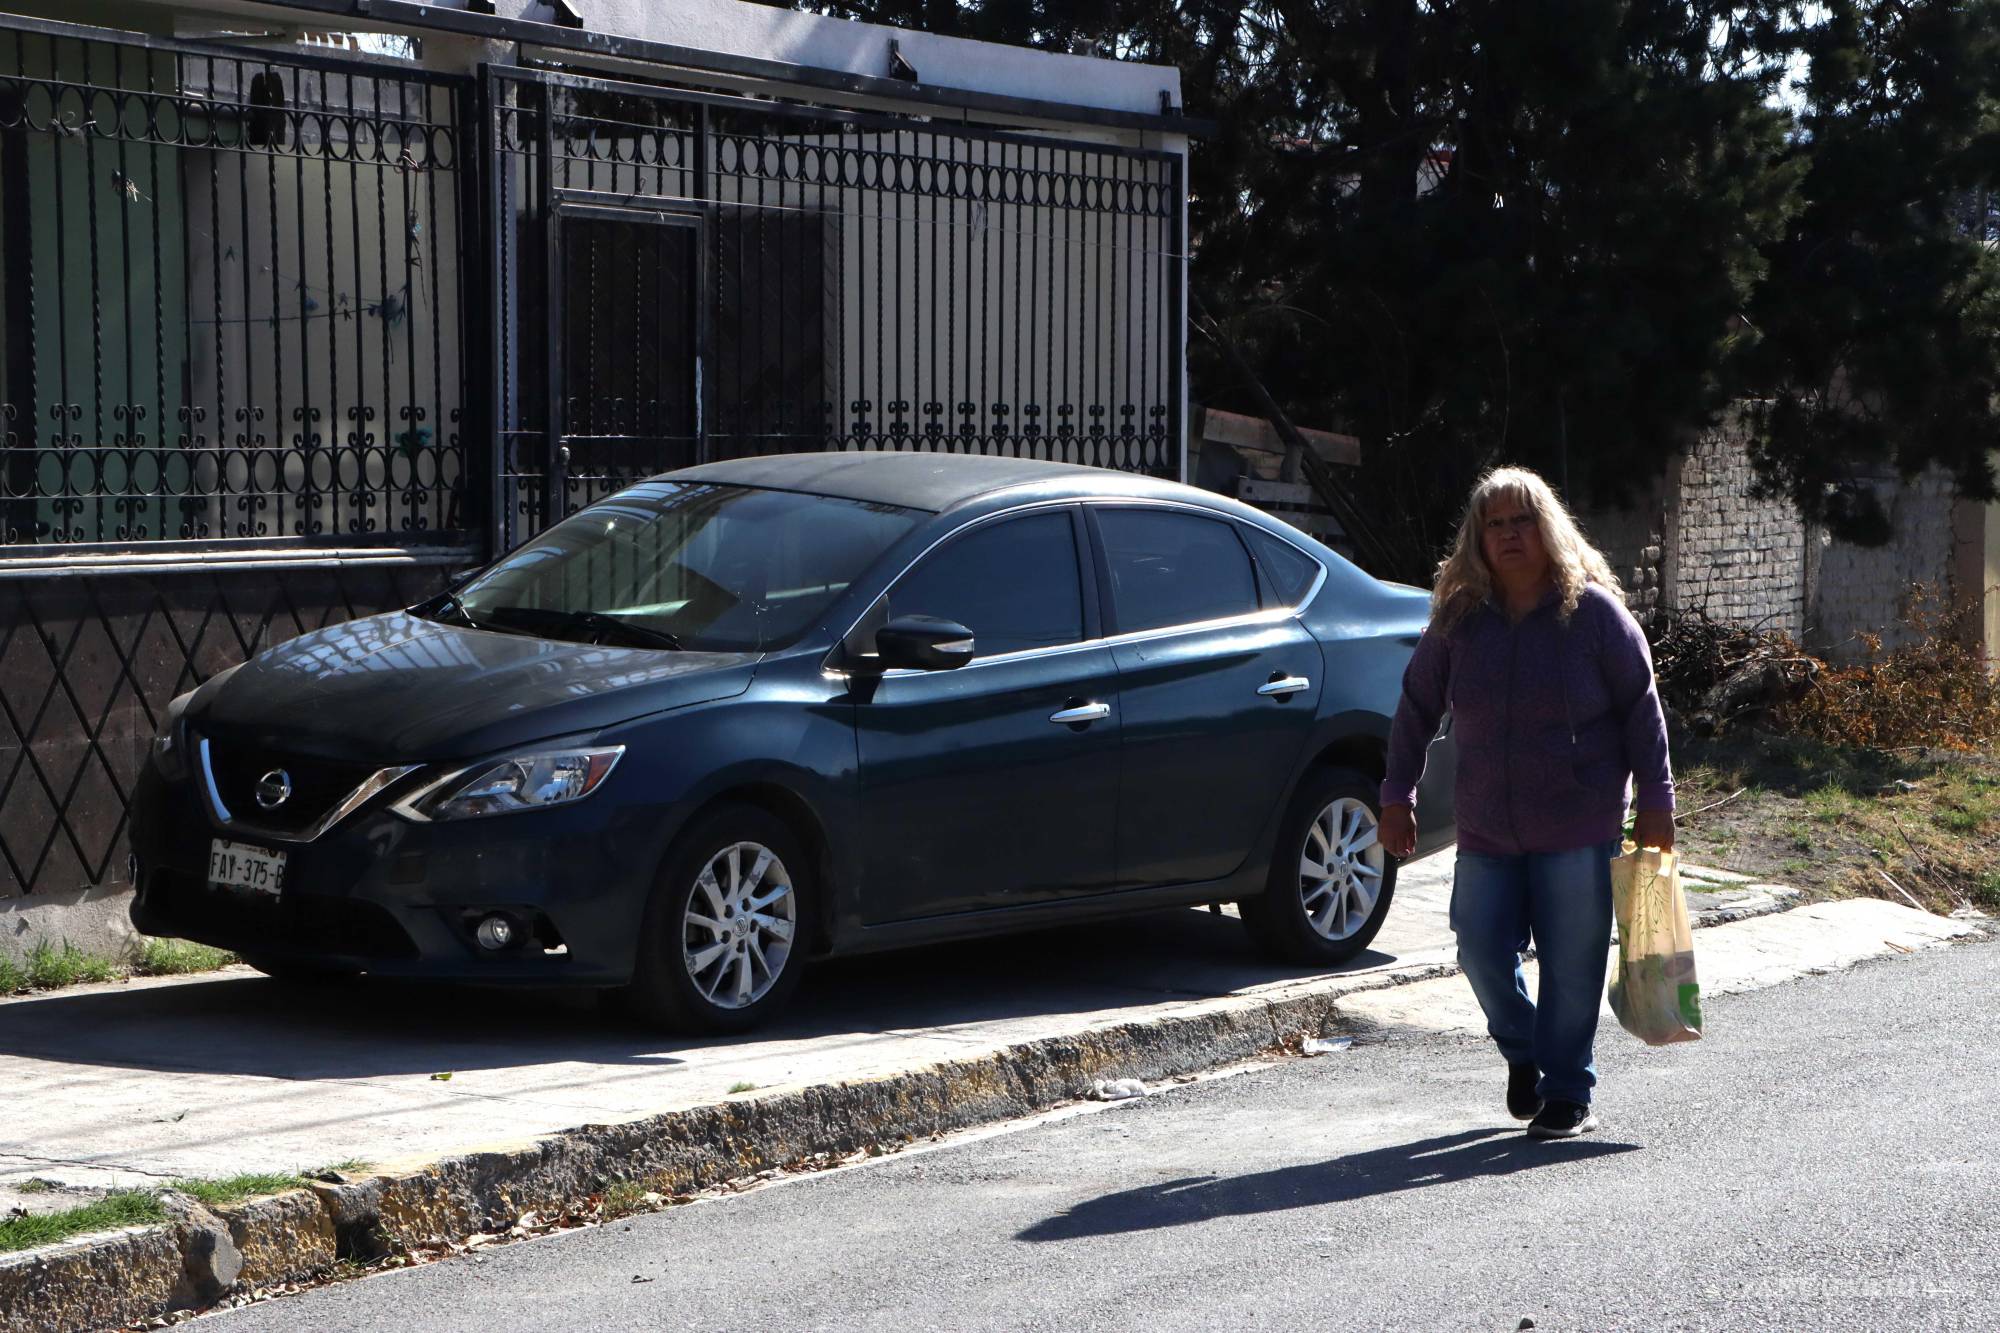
{"x": 238, "y": 865}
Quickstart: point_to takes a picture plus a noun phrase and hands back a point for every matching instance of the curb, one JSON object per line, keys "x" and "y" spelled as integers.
{"x": 127, "y": 1277}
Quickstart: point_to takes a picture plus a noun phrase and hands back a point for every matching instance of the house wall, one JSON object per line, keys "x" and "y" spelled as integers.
{"x": 1706, "y": 542}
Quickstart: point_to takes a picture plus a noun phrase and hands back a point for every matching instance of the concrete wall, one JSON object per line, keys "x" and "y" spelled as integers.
{"x": 1864, "y": 590}
{"x": 1700, "y": 540}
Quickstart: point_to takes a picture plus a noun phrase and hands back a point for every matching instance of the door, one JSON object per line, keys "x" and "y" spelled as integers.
{"x": 997, "y": 783}
{"x": 630, "y": 324}
{"x": 1217, "y": 686}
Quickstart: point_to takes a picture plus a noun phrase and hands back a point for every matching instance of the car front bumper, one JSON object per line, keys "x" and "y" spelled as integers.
{"x": 382, "y": 894}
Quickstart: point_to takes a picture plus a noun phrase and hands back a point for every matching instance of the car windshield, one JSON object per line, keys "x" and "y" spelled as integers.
{"x": 668, "y": 565}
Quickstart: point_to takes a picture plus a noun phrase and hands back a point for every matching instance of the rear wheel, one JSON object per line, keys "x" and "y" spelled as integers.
{"x": 1331, "y": 881}
{"x": 721, "y": 947}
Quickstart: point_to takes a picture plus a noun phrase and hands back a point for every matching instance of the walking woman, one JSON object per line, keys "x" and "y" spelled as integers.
{"x": 1554, "y": 708}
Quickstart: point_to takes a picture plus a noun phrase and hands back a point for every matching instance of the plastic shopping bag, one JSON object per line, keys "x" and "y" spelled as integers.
{"x": 1653, "y": 988}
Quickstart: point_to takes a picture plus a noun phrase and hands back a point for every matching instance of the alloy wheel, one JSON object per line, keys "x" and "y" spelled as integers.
{"x": 1341, "y": 868}
{"x": 740, "y": 923}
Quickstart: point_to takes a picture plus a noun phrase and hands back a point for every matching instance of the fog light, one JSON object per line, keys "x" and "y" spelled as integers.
{"x": 495, "y": 932}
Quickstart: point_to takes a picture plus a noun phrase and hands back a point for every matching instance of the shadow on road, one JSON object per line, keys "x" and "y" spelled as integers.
{"x": 1439, "y": 1161}
{"x": 239, "y": 1024}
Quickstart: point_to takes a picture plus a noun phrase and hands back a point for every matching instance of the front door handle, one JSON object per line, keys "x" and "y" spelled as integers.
{"x": 1284, "y": 685}
{"x": 1082, "y": 713}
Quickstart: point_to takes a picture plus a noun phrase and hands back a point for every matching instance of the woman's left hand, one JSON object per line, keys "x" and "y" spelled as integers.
{"x": 1654, "y": 828}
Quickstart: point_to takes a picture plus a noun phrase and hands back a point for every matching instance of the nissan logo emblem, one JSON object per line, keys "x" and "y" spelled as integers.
{"x": 274, "y": 789}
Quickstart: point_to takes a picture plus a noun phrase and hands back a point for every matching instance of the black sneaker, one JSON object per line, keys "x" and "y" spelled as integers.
{"x": 1562, "y": 1120}
{"x": 1522, "y": 1103}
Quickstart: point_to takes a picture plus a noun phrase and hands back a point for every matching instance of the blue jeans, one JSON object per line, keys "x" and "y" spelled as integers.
{"x": 1562, "y": 901}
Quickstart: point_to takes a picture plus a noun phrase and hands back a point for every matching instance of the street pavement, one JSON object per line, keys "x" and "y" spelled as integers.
{"x": 1827, "y": 1157}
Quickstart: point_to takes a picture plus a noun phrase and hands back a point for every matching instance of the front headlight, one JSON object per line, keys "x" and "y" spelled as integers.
{"x": 519, "y": 782}
{"x": 170, "y": 746}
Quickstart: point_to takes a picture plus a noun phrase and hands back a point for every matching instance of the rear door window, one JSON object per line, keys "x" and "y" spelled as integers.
{"x": 1015, "y": 584}
{"x": 1173, "y": 568}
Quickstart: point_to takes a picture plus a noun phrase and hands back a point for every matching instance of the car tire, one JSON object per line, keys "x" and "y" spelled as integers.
{"x": 713, "y": 954}
{"x": 300, "y": 972}
{"x": 1321, "y": 919}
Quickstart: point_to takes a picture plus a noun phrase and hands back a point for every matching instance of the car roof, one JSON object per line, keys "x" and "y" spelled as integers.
{"x": 925, "y": 480}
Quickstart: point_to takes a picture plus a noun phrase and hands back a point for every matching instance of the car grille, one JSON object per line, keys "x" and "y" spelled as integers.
{"x": 287, "y": 924}
{"x": 318, "y": 785}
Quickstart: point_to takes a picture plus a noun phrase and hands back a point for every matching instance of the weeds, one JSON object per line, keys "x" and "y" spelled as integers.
{"x": 122, "y": 1208}
{"x": 51, "y": 967}
{"x": 173, "y": 958}
{"x": 735, "y": 1088}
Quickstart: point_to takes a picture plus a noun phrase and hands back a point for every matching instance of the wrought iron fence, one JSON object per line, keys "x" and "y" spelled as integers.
{"x": 232, "y": 298}
{"x": 680, "y": 277}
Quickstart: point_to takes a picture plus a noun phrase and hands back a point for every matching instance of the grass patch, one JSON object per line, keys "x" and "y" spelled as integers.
{"x": 174, "y": 958}
{"x": 230, "y": 1189}
{"x": 13, "y": 978}
{"x": 34, "y": 1186}
{"x": 351, "y": 1166}
{"x": 51, "y": 967}
{"x": 735, "y": 1088}
{"x": 1836, "y": 819}
{"x": 623, "y": 1199}
{"x": 123, "y": 1208}
{"x": 1829, "y": 804}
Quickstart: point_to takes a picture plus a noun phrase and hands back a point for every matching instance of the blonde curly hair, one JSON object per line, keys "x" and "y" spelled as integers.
{"x": 1464, "y": 581}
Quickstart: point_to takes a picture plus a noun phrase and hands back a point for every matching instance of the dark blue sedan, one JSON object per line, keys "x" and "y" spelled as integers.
{"x": 753, "y": 712}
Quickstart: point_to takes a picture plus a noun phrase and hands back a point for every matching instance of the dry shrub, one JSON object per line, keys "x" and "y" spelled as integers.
{"x": 1934, "y": 690}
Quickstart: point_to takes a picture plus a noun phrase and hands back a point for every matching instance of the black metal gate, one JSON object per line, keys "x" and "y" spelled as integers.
{"x": 680, "y": 277}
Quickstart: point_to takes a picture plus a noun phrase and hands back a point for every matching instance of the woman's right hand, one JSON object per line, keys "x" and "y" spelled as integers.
{"x": 1398, "y": 831}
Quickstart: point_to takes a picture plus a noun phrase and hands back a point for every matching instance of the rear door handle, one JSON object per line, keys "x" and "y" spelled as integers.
{"x": 1284, "y": 685}
{"x": 1082, "y": 713}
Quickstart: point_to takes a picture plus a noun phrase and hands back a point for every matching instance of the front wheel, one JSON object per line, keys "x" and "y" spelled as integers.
{"x": 1331, "y": 880}
{"x": 722, "y": 943}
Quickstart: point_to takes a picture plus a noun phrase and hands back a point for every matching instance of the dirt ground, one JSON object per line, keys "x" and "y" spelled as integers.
{"x": 1916, "y": 824}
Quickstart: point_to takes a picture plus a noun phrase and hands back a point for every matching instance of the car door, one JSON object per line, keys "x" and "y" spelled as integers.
{"x": 1217, "y": 686}
{"x": 995, "y": 783}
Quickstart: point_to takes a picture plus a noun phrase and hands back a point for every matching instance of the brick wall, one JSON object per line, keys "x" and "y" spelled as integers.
{"x": 1738, "y": 558}
{"x": 1698, "y": 540}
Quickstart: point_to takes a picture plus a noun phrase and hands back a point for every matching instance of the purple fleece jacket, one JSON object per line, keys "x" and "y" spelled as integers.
{"x": 1552, "y": 722}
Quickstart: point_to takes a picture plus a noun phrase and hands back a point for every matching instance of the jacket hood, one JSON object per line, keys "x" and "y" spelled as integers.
{"x": 396, "y": 688}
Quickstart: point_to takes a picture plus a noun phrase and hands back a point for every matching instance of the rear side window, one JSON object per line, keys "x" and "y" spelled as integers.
{"x": 1286, "y": 572}
{"x": 1015, "y": 584}
{"x": 1170, "y": 568}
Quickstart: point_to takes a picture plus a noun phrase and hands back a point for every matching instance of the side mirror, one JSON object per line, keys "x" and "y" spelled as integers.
{"x": 923, "y": 643}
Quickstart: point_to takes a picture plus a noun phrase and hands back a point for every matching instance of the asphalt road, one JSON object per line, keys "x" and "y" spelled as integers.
{"x": 1828, "y": 1157}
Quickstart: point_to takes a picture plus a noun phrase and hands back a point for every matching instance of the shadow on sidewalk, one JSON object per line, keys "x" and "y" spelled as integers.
{"x": 241, "y": 1024}
{"x": 1444, "y": 1160}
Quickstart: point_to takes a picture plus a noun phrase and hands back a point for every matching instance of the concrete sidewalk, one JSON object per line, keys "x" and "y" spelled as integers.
{"x": 230, "y": 1072}
{"x": 548, "y": 1101}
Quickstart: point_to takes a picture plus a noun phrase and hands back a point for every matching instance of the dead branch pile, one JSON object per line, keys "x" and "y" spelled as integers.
{"x": 1716, "y": 676}
{"x": 1933, "y": 690}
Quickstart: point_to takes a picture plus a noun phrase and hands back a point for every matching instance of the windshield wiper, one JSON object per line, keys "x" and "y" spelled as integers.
{"x": 594, "y": 622}
{"x": 450, "y": 608}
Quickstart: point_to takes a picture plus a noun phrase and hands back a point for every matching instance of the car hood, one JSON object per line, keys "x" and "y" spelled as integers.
{"x": 396, "y": 688}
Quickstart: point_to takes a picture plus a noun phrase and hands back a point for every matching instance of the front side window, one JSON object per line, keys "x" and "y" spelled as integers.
{"x": 1170, "y": 568}
{"x": 702, "y": 567}
{"x": 1015, "y": 584}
